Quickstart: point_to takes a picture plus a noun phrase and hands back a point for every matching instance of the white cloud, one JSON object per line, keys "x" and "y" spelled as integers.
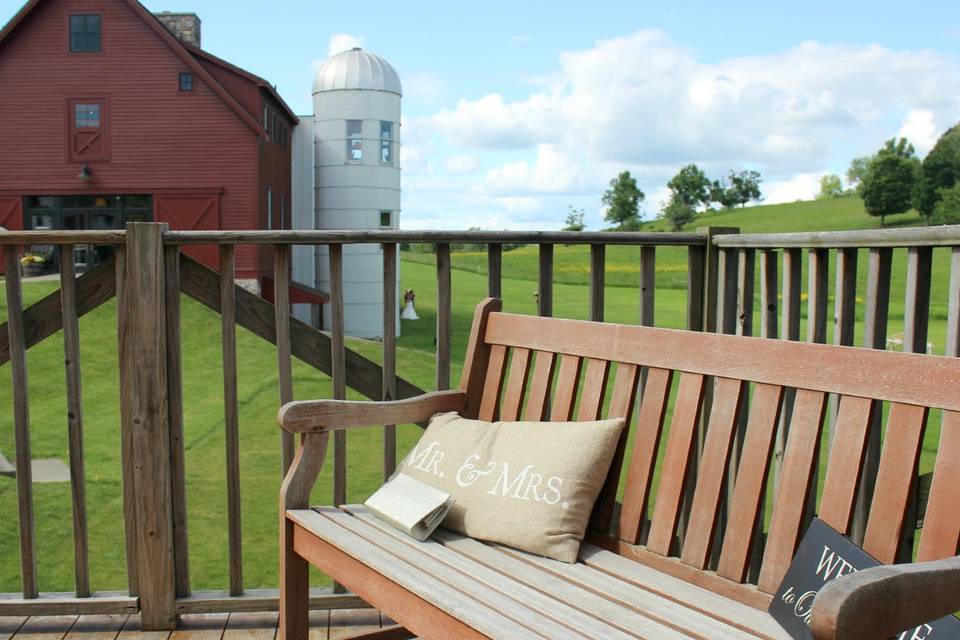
{"x": 461, "y": 164}
{"x": 920, "y": 129}
{"x": 803, "y": 186}
{"x": 643, "y": 103}
{"x": 342, "y": 42}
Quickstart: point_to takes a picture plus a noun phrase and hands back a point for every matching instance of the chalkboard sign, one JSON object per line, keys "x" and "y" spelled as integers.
{"x": 825, "y": 555}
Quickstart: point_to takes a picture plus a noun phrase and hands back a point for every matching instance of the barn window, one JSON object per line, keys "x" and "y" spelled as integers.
{"x": 88, "y": 126}
{"x": 386, "y": 142}
{"x": 269, "y": 208}
{"x": 85, "y": 33}
{"x": 186, "y": 81}
{"x": 86, "y": 116}
{"x": 354, "y": 140}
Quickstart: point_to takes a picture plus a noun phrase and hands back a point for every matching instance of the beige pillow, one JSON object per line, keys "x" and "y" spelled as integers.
{"x": 528, "y": 485}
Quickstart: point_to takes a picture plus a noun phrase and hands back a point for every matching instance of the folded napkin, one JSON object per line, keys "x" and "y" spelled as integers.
{"x": 409, "y": 505}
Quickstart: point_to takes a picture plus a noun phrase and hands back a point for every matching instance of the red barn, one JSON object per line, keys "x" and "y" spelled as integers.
{"x": 107, "y": 116}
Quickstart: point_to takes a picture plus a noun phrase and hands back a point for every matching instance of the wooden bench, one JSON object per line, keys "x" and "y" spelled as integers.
{"x": 646, "y": 570}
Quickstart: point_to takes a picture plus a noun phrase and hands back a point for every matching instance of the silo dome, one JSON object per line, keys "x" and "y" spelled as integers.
{"x": 356, "y": 69}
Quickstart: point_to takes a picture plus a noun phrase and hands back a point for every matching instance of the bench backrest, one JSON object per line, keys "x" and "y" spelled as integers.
{"x": 527, "y": 367}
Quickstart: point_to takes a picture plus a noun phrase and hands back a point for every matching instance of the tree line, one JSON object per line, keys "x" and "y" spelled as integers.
{"x": 690, "y": 190}
{"x": 894, "y": 180}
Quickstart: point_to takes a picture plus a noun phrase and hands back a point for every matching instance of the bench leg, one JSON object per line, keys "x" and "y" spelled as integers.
{"x": 294, "y": 588}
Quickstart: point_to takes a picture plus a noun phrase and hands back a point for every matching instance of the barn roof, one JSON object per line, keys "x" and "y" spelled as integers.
{"x": 188, "y": 58}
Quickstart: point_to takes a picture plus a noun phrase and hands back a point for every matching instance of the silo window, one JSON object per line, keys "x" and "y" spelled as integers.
{"x": 354, "y": 140}
{"x": 386, "y": 142}
{"x": 386, "y": 219}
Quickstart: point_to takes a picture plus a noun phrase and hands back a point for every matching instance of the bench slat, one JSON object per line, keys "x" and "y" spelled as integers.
{"x": 799, "y": 464}
{"x": 917, "y": 379}
{"x": 484, "y": 619}
{"x": 751, "y": 479}
{"x": 539, "y": 390}
{"x": 638, "y": 599}
{"x": 493, "y": 385}
{"x": 594, "y": 388}
{"x": 940, "y": 537}
{"x": 571, "y": 618}
{"x": 895, "y": 481}
{"x": 621, "y": 406}
{"x": 727, "y": 403}
{"x": 566, "y": 392}
{"x": 516, "y": 384}
{"x": 575, "y": 595}
{"x": 645, "y": 444}
{"x": 727, "y": 610}
{"x": 676, "y": 463}
{"x": 846, "y": 462}
{"x": 462, "y": 578}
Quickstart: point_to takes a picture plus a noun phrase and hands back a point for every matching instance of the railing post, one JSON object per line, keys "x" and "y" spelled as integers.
{"x": 144, "y": 416}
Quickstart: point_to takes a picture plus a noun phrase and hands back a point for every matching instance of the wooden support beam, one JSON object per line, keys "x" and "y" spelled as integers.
{"x": 389, "y": 352}
{"x": 21, "y": 422}
{"x": 494, "y": 270}
{"x": 597, "y": 281}
{"x": 144, "y": 415}
{"x": 444, "y": 316}
{"x": 231, "y": 415}
{"x": 306, "y": 343}
{"x": 281, "y": 303}
{"x": 545, "y": 281}
{"x": 338, "y": 358}
{"x": 71, "y": 359}
{"x": 178, "y": 463}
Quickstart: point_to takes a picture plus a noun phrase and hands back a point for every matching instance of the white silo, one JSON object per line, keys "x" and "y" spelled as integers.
{"x": 356, "y": 107}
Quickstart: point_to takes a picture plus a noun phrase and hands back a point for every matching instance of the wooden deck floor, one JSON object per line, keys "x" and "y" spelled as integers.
{"x": 324, "y": 625}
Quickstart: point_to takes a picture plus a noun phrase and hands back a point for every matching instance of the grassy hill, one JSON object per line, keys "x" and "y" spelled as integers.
{"x": 204, "y": 437}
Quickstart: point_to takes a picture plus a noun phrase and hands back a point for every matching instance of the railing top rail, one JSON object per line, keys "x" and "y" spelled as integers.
{"x": 361, "y": 237}
{"x": 62, "y": 237}
{"x": 483, "y": 237}
{"x": 941, "y": 236}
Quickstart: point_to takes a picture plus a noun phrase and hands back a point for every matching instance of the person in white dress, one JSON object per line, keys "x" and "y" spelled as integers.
{"x": 409, "y": 313}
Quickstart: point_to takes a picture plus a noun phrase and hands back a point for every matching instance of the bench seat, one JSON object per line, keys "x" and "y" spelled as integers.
{"x": 504, "y": 593}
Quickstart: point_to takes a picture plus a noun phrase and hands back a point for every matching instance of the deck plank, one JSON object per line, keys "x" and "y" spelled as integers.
{"x": 132, "y": 630}
{"x": 201, "y": 626}
{"x": 97, "y": 627}
{"x": 251, "y": 626}
{"x": 319, "y": 625}
{"x": 9, "y": 625}
{"x": 45, "y": 627}
{"x": 347, "y": 622}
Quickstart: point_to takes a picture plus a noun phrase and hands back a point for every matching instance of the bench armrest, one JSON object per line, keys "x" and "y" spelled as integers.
{"x": 307, "y": 416}
{"x": 882, "y": 602}
{"x": 315, "y": 419}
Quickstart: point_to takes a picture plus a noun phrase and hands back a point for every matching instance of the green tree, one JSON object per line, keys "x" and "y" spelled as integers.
{"x": 721, "y": 193}
{"x": 830, "y": 187}
{"x": 947, "y": 209}
{"x": 940, "y": 171}
{"x": 677, "y": 212}
{"x": 858, "y": 172}
{"x": 744, "y": 187}
{"x": 889, "y": 186}
{"x": 574, "y": 220}
{"x": 623, "y": 200}
{"x": 691, "y": 185}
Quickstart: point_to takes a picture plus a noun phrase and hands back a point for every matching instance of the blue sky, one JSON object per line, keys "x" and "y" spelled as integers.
{"x": 514, "y": 112}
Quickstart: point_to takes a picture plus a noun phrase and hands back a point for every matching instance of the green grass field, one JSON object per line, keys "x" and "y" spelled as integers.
{"x": 260, "y": 464}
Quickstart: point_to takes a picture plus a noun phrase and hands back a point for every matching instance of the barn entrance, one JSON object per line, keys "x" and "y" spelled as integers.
{"x": 79, "y": 213}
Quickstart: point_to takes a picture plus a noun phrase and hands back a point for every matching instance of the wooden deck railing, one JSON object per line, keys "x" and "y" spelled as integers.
{"x": 149, "y": 273}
